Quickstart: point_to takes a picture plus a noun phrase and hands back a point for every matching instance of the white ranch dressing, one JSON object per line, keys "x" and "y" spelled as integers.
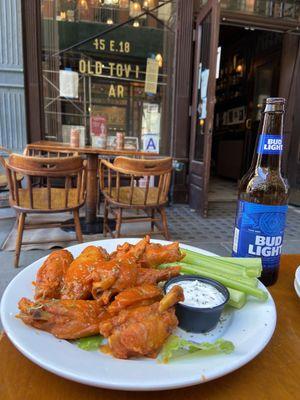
{"x": 199, "y": 294}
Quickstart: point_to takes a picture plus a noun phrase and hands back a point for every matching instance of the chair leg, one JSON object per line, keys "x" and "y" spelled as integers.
{"x": 164, "y": 223}
{"x": 105, "y": 218}
{"x": 152, "y": 217}
{"x": 21, "y": 222}
{"x": 77, "y": 226}
{"x": 98, "y": 196}
{"x": 119, "y": 222}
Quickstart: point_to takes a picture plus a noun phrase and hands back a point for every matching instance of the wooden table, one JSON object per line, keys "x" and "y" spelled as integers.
{"x": 272, "y": 375}
{"x": 92, "y": 154}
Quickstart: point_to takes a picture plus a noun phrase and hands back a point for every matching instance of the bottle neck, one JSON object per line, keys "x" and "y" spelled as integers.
{"x": 269, "y": 143}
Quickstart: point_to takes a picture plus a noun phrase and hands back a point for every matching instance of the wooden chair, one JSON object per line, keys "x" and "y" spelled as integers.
{"x": 44, "y": 153}
{"x": 121, "y": 185}
{"x": 36, "y": 152}
{"x": 3, "y": 177}
{"x": 47, "y": 198}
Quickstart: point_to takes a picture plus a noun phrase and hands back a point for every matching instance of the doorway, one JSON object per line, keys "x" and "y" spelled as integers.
{"x": 249, "y": 73}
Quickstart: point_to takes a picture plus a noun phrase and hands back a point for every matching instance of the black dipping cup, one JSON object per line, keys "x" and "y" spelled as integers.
{"x": 198, "y": 319}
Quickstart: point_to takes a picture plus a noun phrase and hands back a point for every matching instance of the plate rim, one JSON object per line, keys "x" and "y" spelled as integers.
{"x": 57, "y": 370}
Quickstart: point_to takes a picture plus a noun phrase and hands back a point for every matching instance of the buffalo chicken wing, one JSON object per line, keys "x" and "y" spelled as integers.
{"x": 49, "y": 278}
{"x": 142, "y": 331}
{"x": 79, "y": 277}
{"x": 65, "y": 319}
{"x": 156, "y": 254}
{"x": 139, "y": 295}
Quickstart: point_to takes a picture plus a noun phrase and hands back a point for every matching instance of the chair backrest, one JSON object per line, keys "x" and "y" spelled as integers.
{"x": 153, "y": 166}
{"x": 6, "y": 151}
{"x": 155, "y": 174}
{"x": 3, "y": 179}
{"x": 69, "y": 169}
{"x": 45, "y": 153}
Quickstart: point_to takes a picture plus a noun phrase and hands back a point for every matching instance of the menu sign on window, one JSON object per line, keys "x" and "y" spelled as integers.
{"x": 151, "y": 76}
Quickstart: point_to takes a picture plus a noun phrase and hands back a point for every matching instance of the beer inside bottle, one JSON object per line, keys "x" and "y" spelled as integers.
{"x": 263, "y": 197}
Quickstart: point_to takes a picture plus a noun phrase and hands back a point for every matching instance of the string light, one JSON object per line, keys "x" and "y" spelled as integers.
{"x": 109, "y": 21}
{"x": 135, "y": 9}
{"x": 136, "y": 24}
{"x": 159, "y": 58}
{"x": 123, "y": 3}
{"x": 83, "y": 4}
{"x": 148, "y": 4}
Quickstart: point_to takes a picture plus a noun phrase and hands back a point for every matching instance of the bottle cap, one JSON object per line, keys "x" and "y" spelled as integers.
{"x": 275, "y": 104}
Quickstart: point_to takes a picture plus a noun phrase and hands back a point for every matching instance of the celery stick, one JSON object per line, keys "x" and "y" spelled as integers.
{"x": 246, "y": 262}
{"x": 245, "y": 266}
{"x": 250, "y": 268}
{"x": 237, "y": 299}
{"x": 215, "y": 265}
{"x": 252, "y": 264}
{"x": 228, "y": 282}
{"x": 253, "y": 282}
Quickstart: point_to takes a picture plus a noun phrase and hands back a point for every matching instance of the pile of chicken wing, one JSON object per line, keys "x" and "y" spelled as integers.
{"x": 116, "y": 295}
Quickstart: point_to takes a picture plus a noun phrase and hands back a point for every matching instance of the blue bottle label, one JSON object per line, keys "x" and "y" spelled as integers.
{"x": 259, "y": 232}
{"x": 269, "y": 144}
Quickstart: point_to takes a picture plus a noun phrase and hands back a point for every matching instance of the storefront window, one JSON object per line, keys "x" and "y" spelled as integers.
{"x": 266, "y": 8}
{"x": 118, "y": 81}
{"x": 285, "y": 9}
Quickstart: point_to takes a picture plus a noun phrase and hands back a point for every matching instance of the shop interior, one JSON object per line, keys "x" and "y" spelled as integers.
{"x": 249, "y": 72}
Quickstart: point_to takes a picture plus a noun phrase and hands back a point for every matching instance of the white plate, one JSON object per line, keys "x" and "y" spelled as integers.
{"x": 250, "y": 329}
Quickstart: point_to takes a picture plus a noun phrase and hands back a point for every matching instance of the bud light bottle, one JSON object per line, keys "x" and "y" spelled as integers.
{"x": 263, "y": 197}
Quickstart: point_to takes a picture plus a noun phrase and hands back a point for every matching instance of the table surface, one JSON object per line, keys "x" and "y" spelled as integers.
{"x": 48, "y": 145}
{"x": 273, "y": 374}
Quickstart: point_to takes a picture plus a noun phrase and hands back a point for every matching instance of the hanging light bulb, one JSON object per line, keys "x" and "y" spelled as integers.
{"x": 135, "y": 9}
{"x": 109, "y": 21}
{"x": 83, "y": 4}
{"x": 148, "y": 4}
{"x": 159, "y": 58}
{"x": 239, "y": 68}
{"x": 123, "y": 3}
{"x": 136, "y": 23}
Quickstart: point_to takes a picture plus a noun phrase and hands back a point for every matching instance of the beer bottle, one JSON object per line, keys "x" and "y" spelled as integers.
{"x": 263, "y": 197}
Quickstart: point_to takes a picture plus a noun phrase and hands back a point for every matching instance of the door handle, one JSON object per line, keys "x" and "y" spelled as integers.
{"x": 248, "y": 123}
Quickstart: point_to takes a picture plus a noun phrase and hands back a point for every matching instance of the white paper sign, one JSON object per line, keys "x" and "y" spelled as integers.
{"x": 204, "y": 82}
{"x": 203, "y": 108}
{"x": 151, "y": 76}
{"x": 151, "y": 118}
{"x": 68, "y": 84}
